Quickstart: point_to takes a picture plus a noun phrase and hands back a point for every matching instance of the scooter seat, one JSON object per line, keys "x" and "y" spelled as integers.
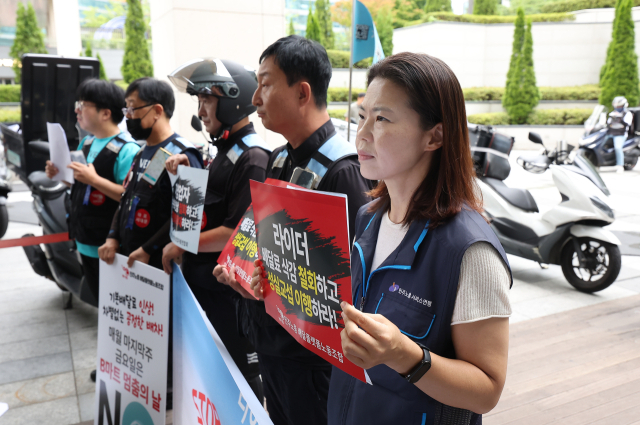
{"x": 520, "y": 198}
{"x": 44, "y": 186}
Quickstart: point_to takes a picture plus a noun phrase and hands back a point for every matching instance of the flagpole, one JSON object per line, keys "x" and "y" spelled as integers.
{"x": 353, "y": 32}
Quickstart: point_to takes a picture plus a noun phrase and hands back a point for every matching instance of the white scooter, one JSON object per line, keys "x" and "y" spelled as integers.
{"x": 572, "y": 233}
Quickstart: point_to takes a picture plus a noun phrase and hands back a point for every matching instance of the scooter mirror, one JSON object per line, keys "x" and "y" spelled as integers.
{"x": 195, "y": 123}
{"x": 535, "y": 138}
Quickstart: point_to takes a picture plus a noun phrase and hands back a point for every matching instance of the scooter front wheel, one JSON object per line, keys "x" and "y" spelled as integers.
{"x": 4, "y": 220}
{"x": 600, "y": 266}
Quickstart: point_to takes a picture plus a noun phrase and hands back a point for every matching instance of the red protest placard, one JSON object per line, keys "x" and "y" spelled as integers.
{"x": 241, "y": 249}
{"x": 303, "y": 242}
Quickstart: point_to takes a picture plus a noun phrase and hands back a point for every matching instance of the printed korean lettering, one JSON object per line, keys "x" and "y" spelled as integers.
{"x": 295, "y": 242}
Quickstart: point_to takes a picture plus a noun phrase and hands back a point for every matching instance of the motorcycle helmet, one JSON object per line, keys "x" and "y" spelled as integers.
{"x": 233, "y": 84}
{"x": 619, "y": 102}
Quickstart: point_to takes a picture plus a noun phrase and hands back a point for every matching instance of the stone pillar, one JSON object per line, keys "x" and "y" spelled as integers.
{"x": 237, "y": 30}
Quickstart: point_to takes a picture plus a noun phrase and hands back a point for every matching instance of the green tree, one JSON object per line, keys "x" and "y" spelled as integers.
{"x": 323, "y": 16}
{"x": 291, "y": 30}
{"x": 485, "y": 7}
{"x": 102, "y": 74}
{"x": 621, "y": 74}
{"x": 438, "y": 6}
{"x": 29, "y": 38}
{"x": 313, "y": 28}
{"x": 516, "y": 51}
{"x": 384, "y": 25}
{"x": 88, "y": 52}
{"x": 607, "y": 61}
{"x": 137, "y": 60}
{"x": 524, "y": 89}
{"x": 406, "y": 11}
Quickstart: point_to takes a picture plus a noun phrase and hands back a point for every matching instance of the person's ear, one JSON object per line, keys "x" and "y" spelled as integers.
{"x": 105, "y": 114}
{"x": 159, "y": 111}
{"x": 304, "y": 93}
{"x": 434, "y": 138}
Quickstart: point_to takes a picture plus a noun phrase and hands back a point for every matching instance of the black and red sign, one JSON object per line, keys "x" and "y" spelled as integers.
{"x": 303, "y": 242}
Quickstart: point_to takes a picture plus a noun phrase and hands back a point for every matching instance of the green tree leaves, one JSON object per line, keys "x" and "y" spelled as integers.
{"x": 29, "y": 38}
{"x": 137, "y": 60}
{"x": 521, "y": 93}
{"x": 620, "y": 74}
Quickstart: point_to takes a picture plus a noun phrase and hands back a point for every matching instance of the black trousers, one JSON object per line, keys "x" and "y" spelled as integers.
{"x": 296, "y": 393}
{"x": 219, "y": 303}
{"x": 91, "y": 269}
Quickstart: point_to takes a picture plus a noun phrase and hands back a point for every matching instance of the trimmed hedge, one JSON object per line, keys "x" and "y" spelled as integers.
{"x": 573, "y": 5}
{"x": 340, "y": 59}
{"x": 10, "y": 115}
{"x": 10, "y": 93}
{"x": 337, "y": 113}
{"x": 340, "y": 94}
{"x": 492, "y": 19}
{"x": 537, "y": 117}
{"x": 586, "y": 92}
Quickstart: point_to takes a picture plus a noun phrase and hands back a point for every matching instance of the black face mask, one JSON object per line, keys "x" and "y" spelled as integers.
{"x": 134, "y": 126}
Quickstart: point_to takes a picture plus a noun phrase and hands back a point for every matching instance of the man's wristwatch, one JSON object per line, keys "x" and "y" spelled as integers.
{"x": 421, "y": 368}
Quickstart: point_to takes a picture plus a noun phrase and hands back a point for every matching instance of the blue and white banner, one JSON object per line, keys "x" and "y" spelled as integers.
{"x": 366, "y": 42}
{"x": 208, "y": 387}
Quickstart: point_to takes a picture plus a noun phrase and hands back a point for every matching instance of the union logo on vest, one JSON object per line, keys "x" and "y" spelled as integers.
{"x": 394, "y": 287}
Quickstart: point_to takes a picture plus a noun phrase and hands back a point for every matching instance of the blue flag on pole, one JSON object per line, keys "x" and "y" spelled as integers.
{"x": 366, "y": 42}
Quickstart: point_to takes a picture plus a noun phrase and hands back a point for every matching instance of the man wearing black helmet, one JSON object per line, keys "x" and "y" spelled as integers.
{"x": 224, "y": 89}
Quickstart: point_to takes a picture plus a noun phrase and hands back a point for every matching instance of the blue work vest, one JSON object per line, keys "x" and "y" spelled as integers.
{"x": 415, "y": 288}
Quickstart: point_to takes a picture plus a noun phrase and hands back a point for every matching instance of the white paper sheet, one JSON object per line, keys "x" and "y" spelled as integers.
{"x": 59, "y": 152}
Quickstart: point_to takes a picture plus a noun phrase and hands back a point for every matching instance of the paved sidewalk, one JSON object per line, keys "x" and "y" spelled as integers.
{"x": 578, "y": 367}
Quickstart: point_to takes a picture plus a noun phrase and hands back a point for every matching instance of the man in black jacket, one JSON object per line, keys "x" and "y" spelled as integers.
{"x": 291, "y": 99}
{"x": 224, "y": 90}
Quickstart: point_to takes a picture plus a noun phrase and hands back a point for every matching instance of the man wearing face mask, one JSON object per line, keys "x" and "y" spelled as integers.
{"x": 224, "y": 90}
{"x": 618, "y": 123}
{"x": 140, "y": 227}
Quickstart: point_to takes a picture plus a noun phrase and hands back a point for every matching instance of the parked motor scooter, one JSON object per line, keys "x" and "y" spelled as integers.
{"x": 597, "y": 145}
{"x": 27, "y": 151}
{"x": 572, "y": 233}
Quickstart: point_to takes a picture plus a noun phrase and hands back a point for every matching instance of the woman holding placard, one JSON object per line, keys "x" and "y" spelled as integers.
{"x": 430, "y": 279}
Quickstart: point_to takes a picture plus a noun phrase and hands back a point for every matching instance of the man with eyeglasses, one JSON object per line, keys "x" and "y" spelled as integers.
{"x": 98, "y": 186}
{"x": 140, "y": 227}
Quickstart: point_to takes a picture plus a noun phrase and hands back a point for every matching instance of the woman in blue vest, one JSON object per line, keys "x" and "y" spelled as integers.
{"x": 430, "y": 279}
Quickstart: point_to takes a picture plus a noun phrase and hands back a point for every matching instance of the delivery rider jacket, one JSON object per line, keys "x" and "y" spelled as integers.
{"x": 91, "y": 211}
{"x": 416, "y": 289}
{"x": 334, "y": 161}
{"x": 241, "y": 158}
{"x": 144, "y": 208}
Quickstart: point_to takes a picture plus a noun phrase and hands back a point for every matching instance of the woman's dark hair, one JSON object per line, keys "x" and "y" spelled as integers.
{"x": 302, "y": 59}
{"x": 435, "y": 94}
{"x": 104, "y": 94}
{"x": 151, "y": 90}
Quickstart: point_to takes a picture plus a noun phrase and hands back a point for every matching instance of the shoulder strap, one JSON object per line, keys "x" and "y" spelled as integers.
{"x": 249, "y": 141}
{"x": 86, "y": 147}
{"x": 331, "y": 152}
{"x": 280, "y": 159}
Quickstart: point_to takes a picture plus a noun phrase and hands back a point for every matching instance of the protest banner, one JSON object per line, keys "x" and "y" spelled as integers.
{"x": 187, "y": 204}
{"x": 242, "y": 248}
{"x": 208, "y": 388}
{"x": 133, "y": 337}
{"x": 303, "y": 242}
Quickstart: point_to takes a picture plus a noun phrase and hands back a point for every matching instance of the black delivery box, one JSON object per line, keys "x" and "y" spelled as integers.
{"x": 48, "y": 94}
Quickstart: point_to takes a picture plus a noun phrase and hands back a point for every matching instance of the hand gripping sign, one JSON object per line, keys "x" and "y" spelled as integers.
{"x": 133, "y": 336}
{"x": 303, "y": 242}
{"x": 242, "y": 249}
{"x": 208, "y": 387}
